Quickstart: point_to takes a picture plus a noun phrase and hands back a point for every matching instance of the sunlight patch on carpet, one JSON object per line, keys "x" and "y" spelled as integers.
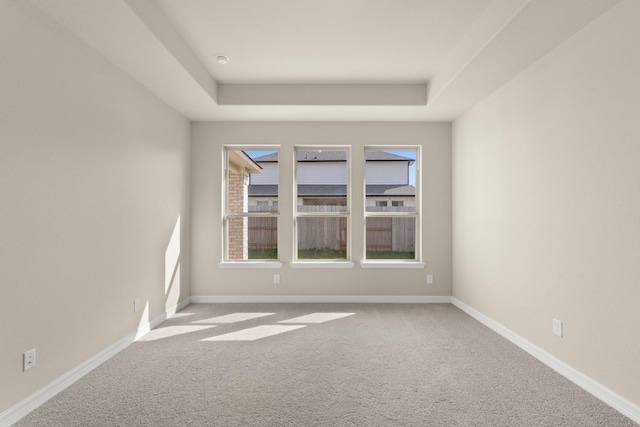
{"x": 181, "y": 314}
{"x": 172, "y": 331}
{"x": 256, "y": 333}
{"x": 317, "y": 318}
{"x": 233, "y": 318}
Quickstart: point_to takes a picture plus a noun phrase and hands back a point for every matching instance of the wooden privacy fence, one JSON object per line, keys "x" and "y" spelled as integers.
{"x": 322, "y": 233}
{"x": 383, "y": 233}
{"x": 397, "y": 234}
{"x": 391, "y": 234}
{"x": 263, "y": 231}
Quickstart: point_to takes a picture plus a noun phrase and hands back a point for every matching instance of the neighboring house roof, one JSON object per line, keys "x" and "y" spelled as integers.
{"x": 334, "y": 156}
{"x": 322, "y": 190}
{"x": 384, "y": 156}
{"x": 241, "y": 162}
{"x": 333, "y": 190}
{"x": 391, "y": 190}
{"x": 263, "y": 190}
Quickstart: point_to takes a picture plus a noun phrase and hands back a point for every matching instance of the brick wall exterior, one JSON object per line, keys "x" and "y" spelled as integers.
{"x": 238, "y": 227}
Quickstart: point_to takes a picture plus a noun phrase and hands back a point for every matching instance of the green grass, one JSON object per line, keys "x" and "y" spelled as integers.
{"x": 320, "y": 253}
{"x": 263, "y": 253}
{"x": 390, "y": 255}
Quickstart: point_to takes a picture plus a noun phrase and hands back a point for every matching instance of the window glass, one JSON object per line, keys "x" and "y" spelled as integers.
{"x": 252, "y": 238}
{"x": 390, "y": 173}
{"x": 322, "y": 180}
{"x": 391, "y": 208}
{"x": 251, "y": 204}
{"x": 391, "y": 238}
{"x": 322, "y": 238}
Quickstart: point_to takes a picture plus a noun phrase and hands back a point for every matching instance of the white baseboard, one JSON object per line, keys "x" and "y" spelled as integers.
{"x": 182, "y": 304}
{"x": 609, "y": 397}
{"x": 145, "y": 328}
{"x": 322, "y": 299}
{"x": 24, "y": 407}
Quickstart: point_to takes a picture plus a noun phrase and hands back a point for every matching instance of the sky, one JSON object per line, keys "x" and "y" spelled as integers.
{"x": 257, "y": 153}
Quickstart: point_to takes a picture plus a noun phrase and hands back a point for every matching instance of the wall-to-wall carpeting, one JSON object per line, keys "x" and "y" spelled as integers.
{"x": 364, "y": 365}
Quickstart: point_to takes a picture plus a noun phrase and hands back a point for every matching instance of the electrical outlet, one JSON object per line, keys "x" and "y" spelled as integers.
{"x": 29, "y": 359}
{"x": 429, "y": 279}
{"x": 557, "y": 327}
{"x": 276, "y": 278}
{"x": 136, "y": 305}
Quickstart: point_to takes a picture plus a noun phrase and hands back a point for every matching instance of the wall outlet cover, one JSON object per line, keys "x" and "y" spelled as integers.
{"x": 29, "y": 359}
{"x": 557, "y": 327}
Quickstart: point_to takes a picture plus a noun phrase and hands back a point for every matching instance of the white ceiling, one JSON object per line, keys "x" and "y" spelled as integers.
{"x": 327, "y": 41}
{"x": 329, "y": 60}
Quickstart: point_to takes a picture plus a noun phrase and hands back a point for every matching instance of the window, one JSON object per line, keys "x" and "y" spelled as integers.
{"x": 392, "y": 226}
{"x": 250, "y": 203}
{"x": 322, "y": 203}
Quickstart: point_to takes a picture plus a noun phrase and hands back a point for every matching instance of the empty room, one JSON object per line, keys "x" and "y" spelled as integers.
{"x": 319, "y": 213}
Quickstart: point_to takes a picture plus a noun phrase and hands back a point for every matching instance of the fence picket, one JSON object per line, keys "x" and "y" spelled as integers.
{"x": 383, "y": 233}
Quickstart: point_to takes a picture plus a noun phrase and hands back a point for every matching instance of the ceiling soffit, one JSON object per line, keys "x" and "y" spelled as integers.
{"x": 504, "y": 38}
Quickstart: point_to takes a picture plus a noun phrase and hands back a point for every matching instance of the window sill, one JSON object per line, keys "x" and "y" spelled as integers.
{"x": 250, "y": 264}
{"x": 322, "y": 264}
{"x": 392, "y": 264}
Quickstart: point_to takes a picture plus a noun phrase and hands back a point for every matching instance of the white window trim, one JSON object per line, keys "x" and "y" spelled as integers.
{"x": 391, "y": 263}
{"x": 322, "y": 264}
{"x": 225, "y": 215}
{"x": 297, "y": 263}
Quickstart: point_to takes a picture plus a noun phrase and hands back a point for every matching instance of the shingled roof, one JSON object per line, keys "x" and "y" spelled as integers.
{"x": 334, "y": 156}
{"x": 333, "y": 190}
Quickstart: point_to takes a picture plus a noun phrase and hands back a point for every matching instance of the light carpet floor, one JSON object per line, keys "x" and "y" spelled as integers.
{"x": 295, "y": 365}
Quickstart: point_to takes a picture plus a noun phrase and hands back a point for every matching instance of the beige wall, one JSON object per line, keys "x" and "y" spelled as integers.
{"x": 94, "y": 174}
{"x": 208, "y": 279}
{"x": 546, "y": 202}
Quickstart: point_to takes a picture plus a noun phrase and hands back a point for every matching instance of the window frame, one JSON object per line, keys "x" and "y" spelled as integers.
{"x": 227, "y": 215}
{"x": 417, "y": 214}
{"x": 322, "y": 262}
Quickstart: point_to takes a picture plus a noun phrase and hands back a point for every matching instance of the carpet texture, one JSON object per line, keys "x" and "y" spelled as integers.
{"x": 362, "y": 365}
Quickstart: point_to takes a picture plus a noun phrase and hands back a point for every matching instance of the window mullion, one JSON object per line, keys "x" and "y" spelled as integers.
{"x": 385, "y": 214}
{"x": 322, "y": 214}
{"x": 252, "y": 214}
